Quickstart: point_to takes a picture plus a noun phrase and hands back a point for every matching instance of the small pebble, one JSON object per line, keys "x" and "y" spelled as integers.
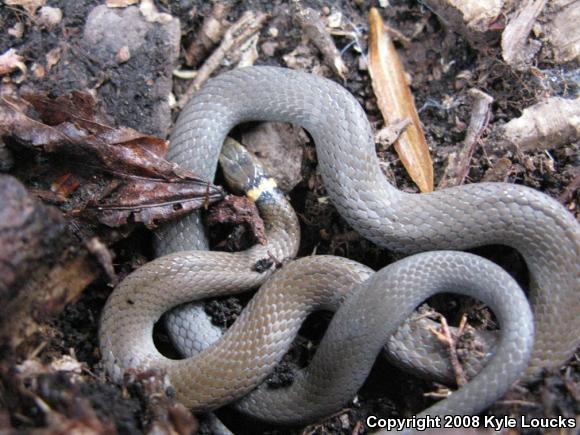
{"x": 123, "y": 55}
{"x": 49, "y": 17}
{"x": 37, "y": 70}
{"x": 269, "y": 48}
{"x": 362, "y": 64}
{"x": 335, "y": 20}
{"x": 17, "y": 30}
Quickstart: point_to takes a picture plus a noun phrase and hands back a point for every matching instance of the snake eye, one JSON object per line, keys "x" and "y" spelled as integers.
{"x": 242, "y": 170}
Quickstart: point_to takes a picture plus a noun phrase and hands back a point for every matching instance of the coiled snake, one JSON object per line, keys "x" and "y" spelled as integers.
{"x": 544, "y": 232}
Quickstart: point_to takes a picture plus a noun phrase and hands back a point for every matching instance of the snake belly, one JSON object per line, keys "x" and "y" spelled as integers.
{"x": 541, "y": 229}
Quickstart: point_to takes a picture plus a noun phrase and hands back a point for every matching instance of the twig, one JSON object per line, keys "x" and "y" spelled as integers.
{"x": 212, "y": 30}
{"x": 450, "y": 341}
{"x": 442, "y": 393}
{"x": 458, "y": 164}
{"x": 516, "y": 50}
{"x": 548, "y": 124}
{"x": 242, "y": 30}
{"x": 315, "y": 30}
{"x": 462, "y": 325}
{"x": 103, "y": 256}
{"x": 389, "y": 134}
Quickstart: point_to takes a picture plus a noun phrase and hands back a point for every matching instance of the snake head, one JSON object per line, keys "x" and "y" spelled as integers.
{"x": 244, "y": 172}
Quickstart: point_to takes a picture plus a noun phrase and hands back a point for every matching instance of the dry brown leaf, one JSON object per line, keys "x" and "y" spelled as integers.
{"x": 152, "y": 201}
{"x": 396, "y": 103}
{"x": 134, "y": 180}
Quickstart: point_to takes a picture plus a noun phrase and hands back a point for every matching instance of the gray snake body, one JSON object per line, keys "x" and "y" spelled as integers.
{"x": 545, "y": 234}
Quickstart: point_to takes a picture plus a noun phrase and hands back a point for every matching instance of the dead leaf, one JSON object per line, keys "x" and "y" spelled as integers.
{"x": 104, "y": 257}
{"x": 123, "y": 55}
{"x": 117, "y": 174}
{"x": 17, "y": 30}
{"x": 134, "y": 201}
{"x": 120, "y": 150}
{"x": 32, "y": 368}
{"x": 396, "y": 103}
{"x": 58, "y": 393}
{"x": 499, "y": 171}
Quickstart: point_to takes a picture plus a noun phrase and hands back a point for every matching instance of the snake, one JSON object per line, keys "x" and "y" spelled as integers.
{"x": 541, "y": 229}
{"x": 263, "y": 334}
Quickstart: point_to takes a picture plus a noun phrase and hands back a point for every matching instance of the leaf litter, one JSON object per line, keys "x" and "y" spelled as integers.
{"x": 116, "y": 174}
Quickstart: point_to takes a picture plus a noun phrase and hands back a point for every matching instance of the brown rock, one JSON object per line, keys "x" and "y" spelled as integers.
{"x": 279, "y": 147}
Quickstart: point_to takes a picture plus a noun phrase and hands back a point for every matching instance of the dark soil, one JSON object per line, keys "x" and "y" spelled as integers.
{"x": 434, "y": 59}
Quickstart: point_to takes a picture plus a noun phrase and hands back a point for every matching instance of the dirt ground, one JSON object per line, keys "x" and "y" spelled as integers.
{"x": 42, "y": 393}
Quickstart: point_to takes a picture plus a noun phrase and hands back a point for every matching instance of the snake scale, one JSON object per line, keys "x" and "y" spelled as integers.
{"x": 544, "y": 232}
